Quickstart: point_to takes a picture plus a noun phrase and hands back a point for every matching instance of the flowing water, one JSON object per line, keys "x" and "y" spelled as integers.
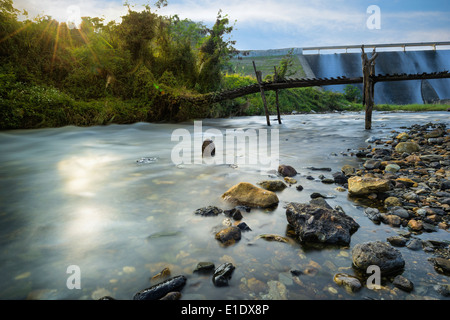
{"x": 111, "y": 201}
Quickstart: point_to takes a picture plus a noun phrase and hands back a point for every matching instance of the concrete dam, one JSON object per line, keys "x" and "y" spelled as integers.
{"x": 402, "y": 92}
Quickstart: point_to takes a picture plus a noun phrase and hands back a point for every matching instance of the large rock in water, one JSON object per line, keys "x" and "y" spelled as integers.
{"x": 359, "y": 186}
{"x": 247, "y": 194}
{"x": 313, "y": 223}
{"x": 377, "y": 253}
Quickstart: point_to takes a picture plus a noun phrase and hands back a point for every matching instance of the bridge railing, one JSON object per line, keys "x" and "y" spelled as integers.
{"x": 433, "y": 45}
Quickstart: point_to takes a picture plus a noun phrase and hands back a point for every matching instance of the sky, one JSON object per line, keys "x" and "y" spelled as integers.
{"x": 275, "y": 24}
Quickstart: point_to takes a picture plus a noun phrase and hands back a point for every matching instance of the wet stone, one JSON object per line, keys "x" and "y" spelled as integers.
{"x": 161, "y": 289}
{"x": 204, "y": 268}
{"x": 222, "y": 274}
{"x": 286, "y": 171}
{"x": 442, "y": 289}
{"x": 349, "y": 282}
{"x": 272, "y": 185}
{"x": 403, "y": 283}
{"x": 378, "y": 253}
{"x": 415, "y": 244}
{"x": 397, "y": 241}
{"x": 244, "y": 227}
{"x": 229, "y": 235}
{"x": 372, "y": 164}
{"x": 441, "y": 265}
{"x": 373, "y": 214}
{"x": 313, "y": 223}
{"x": 208, "y": 211}
{"x": 233, "y": 213}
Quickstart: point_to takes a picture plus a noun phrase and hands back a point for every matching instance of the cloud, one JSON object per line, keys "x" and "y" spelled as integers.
{"x": 59, "y": 9}
{"x": 265, "y": 24}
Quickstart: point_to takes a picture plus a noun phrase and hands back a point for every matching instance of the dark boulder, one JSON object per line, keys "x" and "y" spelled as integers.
{"x": 286, "y": 171}
{"x": 314, "y": 223}
{"x": 377, "y": 253}
{"x": 161, "y": 289}
{"x": 223, "y": 274}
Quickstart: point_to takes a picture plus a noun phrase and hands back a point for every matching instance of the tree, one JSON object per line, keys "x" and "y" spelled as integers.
{"x": 137, "y": 30}
{"x": 215, "y": 51}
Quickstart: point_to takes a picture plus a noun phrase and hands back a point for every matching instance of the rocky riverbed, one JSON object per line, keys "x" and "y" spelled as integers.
{"x": 403, "y": 182}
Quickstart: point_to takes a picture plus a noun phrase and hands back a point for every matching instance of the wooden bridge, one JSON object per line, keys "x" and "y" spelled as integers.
{"x": 369, "y": 79}
{"x": 302, "y": 83}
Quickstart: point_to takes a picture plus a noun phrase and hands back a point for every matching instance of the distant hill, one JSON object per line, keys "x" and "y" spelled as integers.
{"x": 265, "y": 60}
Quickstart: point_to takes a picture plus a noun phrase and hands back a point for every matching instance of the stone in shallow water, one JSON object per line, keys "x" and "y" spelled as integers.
{"x": 350, "y": 283}
{"x": 359, "y": 186}
{"x": 272, "y": 185}
{"x": 161, "y": 289}
{"x": 223, "y": 274}
{"x": 314, "y": 223}
{"x": 249, "y": 195}
{"x": 286, "y": 171}
{"x": 229, "y": 235}
{"x": 377, "y": 253}
{"x": 208, "y": 211}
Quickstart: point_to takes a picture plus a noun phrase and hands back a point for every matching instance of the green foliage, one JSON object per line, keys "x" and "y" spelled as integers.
{"x": 352, "y": 93}
{"x": 153, "y": 60}
{"x": 215, "y": 51}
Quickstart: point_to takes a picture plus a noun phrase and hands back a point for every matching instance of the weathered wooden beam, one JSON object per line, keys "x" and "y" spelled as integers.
{"x": 276, "y": 95}
{"x": 263, "y": 96}
{"x": 368, "y": 70}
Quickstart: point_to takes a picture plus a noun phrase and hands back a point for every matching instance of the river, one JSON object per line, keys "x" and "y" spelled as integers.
{"x": 111, "y": 201}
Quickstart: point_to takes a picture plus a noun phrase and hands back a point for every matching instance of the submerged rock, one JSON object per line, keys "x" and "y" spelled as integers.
{"x": 403, "y": 283}
{"x": 208, "y": 211}
{"x": 204, "y": 268}
{"x": 314, "y": 223}
{"x": 272, "y": 185}
{"x": 350, "y": 283}
{"x": 249, "y": 195}
{"x": 441, "y": 265}
{"x": 377, "y": 253}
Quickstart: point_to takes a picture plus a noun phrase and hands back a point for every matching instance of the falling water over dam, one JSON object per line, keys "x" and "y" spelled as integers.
{"x": 401, "y": 92}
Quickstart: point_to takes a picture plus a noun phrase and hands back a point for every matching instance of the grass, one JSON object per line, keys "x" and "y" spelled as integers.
{"x": 412, "y": 107}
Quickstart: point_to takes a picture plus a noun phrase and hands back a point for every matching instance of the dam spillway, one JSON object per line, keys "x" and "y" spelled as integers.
{"x": 402, "y": 92}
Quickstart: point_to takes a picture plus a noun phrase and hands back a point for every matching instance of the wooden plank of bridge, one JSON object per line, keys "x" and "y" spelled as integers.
{"x": 276, "y": 95}
{"x": 261, "y": 88}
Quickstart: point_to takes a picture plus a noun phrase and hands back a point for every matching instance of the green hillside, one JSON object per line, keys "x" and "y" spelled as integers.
{"x": 244, "y": 66}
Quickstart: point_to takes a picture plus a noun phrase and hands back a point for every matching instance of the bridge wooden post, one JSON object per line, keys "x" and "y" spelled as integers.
{"x": 368, "y": 69}
{"x": 261, "y": 88}
{"x": 276, "y": 95}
